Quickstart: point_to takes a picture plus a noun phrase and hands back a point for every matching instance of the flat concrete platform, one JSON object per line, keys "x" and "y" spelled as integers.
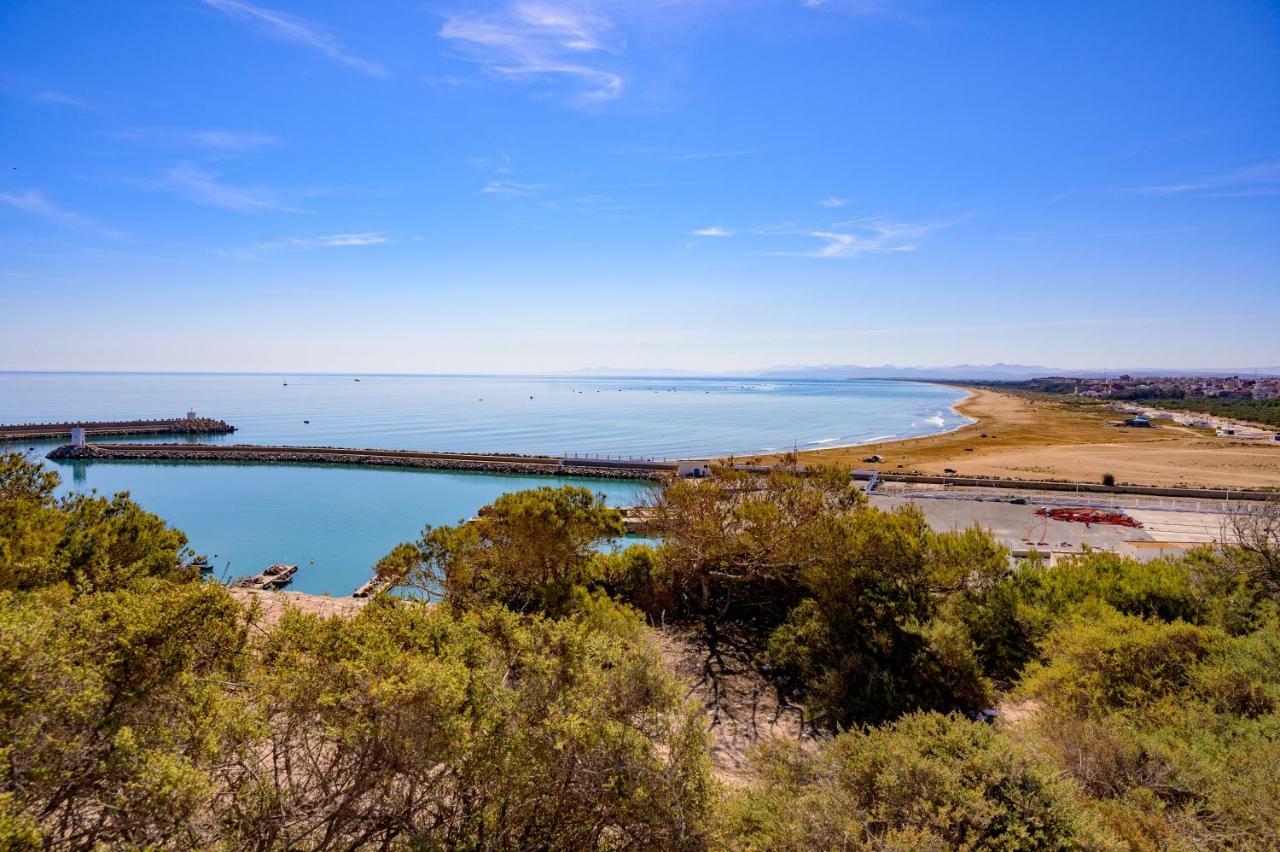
{"x": 1018, "y": 527}
{"x": 1170, "y": 525}
{"x": 1198, "y": 527}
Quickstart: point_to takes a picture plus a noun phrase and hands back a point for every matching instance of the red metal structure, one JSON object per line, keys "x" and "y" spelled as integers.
{"x": 1088, "y": 516}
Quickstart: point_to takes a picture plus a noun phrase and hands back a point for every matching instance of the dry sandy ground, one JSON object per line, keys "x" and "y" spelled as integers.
{"x": 274, "y": 603}
{"x": 1024, "y": 438}
{"x": 741, "y": 706}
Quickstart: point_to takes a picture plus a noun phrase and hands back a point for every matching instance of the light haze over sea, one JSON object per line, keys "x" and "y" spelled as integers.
{"x": 336, "y": 521}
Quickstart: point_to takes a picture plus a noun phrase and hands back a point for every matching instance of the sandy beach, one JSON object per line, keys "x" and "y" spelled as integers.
{"x": 1024, "y": 438}
{"x": 275, "y": 604}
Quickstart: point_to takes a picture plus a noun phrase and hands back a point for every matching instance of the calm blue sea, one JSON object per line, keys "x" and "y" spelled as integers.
{"x": 335, "y": 522}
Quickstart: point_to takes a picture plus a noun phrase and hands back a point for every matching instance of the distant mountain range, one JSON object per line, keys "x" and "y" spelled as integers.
{"x": 983, "y": 372}
{"x": 955, "y": 372}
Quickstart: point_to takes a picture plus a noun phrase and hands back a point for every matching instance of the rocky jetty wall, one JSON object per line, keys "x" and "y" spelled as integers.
{"x": 176, "y": 426}
{"x": 540, "y": 465}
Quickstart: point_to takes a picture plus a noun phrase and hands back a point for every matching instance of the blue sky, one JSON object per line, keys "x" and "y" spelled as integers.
{"x": 669, "y": 184}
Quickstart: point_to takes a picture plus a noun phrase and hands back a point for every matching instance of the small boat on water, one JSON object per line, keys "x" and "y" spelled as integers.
{"x": 201, "y": 563}
{"x": 272, "y": 578}
{"x": 637, "y": 519}
{"x": 371, "y": 587}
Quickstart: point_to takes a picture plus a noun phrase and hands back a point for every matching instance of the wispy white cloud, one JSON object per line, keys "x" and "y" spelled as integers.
{"x": 203, "y": 187}
{"x": 60, "y": 99}
{"x": 833, "y": 201}
{"x": 851, "y": 238}
{"x": 289, "y": 28}
{"x": 715, "y": 155}
{"x": 1257, "y": 179}
{"x": 34, "y": 202}
{"x": 511, "y": 188}
{"x": 871, "y": 235}
{"x": 30, "y": 91}
{"x": 223, "y": 141}
{"x": 229, "y": 140}
{"x": 675, "y": 154}
{"x": 352, "y": 240}
{"x": 597, "y": 204}
{"x": 869, "y": 8}
{"x": 542, "y": 41}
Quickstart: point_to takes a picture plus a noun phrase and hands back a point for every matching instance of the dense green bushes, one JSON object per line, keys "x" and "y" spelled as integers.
{"x": 1266, "y": 411}
{"x": 848, "y": 602}
{"x": 487, "y": 730}
{"x": 887, "y": 573}
{"x": 141, "y": 707}
{"x": 112, "y": 708}
{"x": 1171, "y": 727}
{"x": 528, "y": 551}
{"x": 91, "y": 542}
{"x": 926, "y": 781}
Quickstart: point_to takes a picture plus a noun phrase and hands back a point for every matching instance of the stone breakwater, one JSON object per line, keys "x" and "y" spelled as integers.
{"x": 175, "y": 426}
{"x": 480, "y": 463}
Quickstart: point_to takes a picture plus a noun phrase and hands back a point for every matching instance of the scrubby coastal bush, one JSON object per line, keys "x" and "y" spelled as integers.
{"x": 523, "y": 703}
{"x": 528, "y": 551}
{"x": 926, "y": 781}
{"x": 845, "y": 600}
{"x": 141, "y": 707}
{"x": 412, "y": 724}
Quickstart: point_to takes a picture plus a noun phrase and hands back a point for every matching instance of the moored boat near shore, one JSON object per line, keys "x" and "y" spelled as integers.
{"x": 372, "y": 587}
{"x": 273, "y": 577}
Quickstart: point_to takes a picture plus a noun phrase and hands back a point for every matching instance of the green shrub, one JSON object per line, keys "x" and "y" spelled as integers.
{"x": 734, "y": 546}
{"x": 1176, "y": 737}
{"x": 1164, "y": 589}
{"x": 864, "y": 645}
{"x": 639, "y": 574}
{"x": 924, "y": 782}
{"x": 92, "y": 542}
{"x": 1004, "y": 630}
{"x": 1111, "y": 661}
{"x": 528, "y": 550}
{"x": 412, "y": 724}
{"x": 113, "y": 711}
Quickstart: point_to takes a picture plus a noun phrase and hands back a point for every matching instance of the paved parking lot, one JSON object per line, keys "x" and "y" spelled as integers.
{"x": 1165, "y": 530}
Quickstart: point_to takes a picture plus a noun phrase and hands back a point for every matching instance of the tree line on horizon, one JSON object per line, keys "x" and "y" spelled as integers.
{"x": 1265, "y": 412}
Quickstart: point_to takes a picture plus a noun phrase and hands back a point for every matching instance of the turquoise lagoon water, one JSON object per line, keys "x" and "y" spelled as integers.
{"x": 334, "y": 522}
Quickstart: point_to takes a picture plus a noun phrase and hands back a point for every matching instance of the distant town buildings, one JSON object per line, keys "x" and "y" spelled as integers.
{"x": 1170, "y": 387}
